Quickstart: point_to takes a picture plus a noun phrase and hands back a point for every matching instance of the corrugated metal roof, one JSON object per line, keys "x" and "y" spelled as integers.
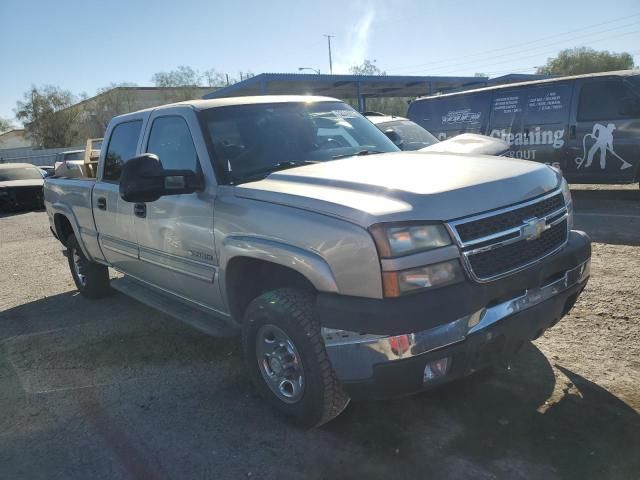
{"x": 345, "y": 86}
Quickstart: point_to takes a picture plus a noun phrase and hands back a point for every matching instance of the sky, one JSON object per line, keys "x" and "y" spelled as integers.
{"x": 84, "y": 45}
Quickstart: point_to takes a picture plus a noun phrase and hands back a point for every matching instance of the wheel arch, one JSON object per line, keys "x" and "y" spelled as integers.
{"x": 269, "y": 265}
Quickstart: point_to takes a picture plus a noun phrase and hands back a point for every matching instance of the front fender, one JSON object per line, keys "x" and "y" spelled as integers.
{"x": 309, "y": 264}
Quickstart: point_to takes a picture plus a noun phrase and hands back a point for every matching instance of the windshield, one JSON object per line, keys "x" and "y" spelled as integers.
{"x": 412, "y": 135}
{"x": 20, "y": 173}
{"x": 250, "y": 140}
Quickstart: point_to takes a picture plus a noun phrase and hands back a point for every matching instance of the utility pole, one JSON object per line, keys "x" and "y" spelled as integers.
{"x": 329, "y": 37}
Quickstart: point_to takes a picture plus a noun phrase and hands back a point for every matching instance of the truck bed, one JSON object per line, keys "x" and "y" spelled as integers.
{"x": 72, "y": 197}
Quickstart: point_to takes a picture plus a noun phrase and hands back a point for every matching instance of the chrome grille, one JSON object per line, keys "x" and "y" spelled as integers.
{"x": 499, "y": 260}
{"x": 509, "y": 219}
{"x": 498, "y": 243}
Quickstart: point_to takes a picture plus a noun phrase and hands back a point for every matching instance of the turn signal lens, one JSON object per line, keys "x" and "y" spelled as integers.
{"x": 429, "y": 276}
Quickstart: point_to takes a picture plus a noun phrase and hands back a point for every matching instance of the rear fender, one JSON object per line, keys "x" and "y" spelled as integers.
{"x": 66, "y": 211}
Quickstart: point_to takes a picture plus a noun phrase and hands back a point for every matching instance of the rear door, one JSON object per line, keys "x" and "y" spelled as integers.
{"x": 113, "y": 216}
{"x": 175, "y": 236}
{"x": 507, "y": 109}
{"x": 545, "y": 124}
{"x": 605, "y": 143}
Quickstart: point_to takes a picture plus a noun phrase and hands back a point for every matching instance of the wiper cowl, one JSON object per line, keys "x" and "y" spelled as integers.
{"x": 357, "y": 154}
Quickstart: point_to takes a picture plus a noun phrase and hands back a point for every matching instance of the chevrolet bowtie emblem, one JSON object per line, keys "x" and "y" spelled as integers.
{"x": 533, "y": 228}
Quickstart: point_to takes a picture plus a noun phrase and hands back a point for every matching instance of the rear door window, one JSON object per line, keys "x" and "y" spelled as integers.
{"x": 602, "y": 100}
{"x": 122, "y": 147}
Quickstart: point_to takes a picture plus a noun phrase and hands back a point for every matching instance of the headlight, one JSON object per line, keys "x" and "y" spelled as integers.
{"x": 429, "y": 276}
{"x": 395, "y": 241}
{"x": 566, "y": 193}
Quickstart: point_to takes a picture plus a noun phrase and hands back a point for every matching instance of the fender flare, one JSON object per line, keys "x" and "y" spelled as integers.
{"x": 62, "y": 209}
{"x": 309, "y": 264}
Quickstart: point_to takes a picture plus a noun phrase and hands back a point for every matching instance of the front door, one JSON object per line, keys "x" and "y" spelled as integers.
{"x": 604, "y": 147}
{"x": 175, "y": 233}
{"x": 114, "y": 221}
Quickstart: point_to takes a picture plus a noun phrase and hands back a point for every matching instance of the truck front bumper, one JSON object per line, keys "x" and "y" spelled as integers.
{"x": 392, "y": 364}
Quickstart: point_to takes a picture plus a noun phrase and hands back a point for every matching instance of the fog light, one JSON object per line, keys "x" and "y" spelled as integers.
{"x": 435, "y": 369}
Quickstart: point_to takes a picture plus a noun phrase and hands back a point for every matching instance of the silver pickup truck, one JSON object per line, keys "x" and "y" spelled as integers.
{"x": 351, "y": 269}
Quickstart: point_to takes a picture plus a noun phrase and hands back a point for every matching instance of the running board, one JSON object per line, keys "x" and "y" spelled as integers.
{"x": 174, "y": 307}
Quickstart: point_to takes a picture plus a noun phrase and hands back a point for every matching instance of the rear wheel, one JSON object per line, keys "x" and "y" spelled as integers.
{"x": 91, "y": 279}
{"x": 287, "y": 360}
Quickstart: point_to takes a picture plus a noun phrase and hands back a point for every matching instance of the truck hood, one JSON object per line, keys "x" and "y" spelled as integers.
{"x": 470, "y": 143}
{"x": 22, "y": 183}
{"x": 404, "y": 186}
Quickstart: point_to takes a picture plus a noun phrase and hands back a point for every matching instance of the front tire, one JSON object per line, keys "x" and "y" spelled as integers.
{"x": 91, "y": 279}
{"x": 287, "y": 360}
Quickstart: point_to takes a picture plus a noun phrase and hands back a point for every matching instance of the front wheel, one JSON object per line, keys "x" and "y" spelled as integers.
{"x": 91, "y": 279}
{"x": 287, "y": 360}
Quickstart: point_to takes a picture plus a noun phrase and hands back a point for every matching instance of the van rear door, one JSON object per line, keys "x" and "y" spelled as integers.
{"x": 545, "y": 125}
{"x": 507, "y": 109}
{"x": 604, "y": 145}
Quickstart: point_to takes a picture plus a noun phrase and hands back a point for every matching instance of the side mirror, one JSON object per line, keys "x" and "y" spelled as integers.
{"x": 144, "y": 180}
{"x": 394, "y": 137}
{"x": 630, "y": 107}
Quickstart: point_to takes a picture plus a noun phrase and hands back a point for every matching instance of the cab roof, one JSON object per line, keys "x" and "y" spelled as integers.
{"x": 200, "y": 104}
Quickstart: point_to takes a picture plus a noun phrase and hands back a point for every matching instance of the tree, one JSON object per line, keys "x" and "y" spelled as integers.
{"x": 182, "y": 76}
{"x": 574, "y": 61}
{"x": 48, "y": 117}
{"x": 5, "y": 125}
{"x": 213, "y": 78}
{"x": 367, "y": 68}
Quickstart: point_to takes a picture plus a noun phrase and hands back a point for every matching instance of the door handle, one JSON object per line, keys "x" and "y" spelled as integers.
{"x": 140, "y": 210}
{"x": 102, "y": 203}
{"x": 572, "y": 131}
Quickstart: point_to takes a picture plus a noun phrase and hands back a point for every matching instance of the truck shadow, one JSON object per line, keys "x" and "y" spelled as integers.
{"x": 158, "y": 399}
{"x": 528, "y": 421}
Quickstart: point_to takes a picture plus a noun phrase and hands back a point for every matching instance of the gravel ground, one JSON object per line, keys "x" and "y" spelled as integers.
{"x": 112, "y": 389}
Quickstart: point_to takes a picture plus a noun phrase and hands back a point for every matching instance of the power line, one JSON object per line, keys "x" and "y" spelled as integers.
{"x": 527, "y": 69}
{"x": 480, "y": 63}
{"x": 481, "y": 53}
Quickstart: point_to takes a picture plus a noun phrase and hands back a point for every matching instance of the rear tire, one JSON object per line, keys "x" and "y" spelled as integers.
{"x": 91, "y": 279}
{"x": 287, "y": 360}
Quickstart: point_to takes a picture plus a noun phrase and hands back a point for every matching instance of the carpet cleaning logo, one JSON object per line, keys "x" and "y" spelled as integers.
{"x": 600, "y": 141}
{"x": 537, "y": 136}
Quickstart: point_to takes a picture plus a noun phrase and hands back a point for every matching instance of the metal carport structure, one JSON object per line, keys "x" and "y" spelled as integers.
{"x": 360, "y": 87}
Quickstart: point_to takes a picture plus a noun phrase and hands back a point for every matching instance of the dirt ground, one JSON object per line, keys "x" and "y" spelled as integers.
{"x": 111, "y": 389}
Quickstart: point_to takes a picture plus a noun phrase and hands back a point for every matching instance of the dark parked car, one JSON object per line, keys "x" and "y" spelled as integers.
{"x": 21, "y": 187}
{"x": 585, "y": 125}
{"x": 48, "y": 170}
{"x": 406, "y": 134}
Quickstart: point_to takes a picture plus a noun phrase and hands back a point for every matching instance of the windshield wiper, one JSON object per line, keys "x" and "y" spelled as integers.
{"x": 273, "y": 168}
{"x": 358, "y": 153}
